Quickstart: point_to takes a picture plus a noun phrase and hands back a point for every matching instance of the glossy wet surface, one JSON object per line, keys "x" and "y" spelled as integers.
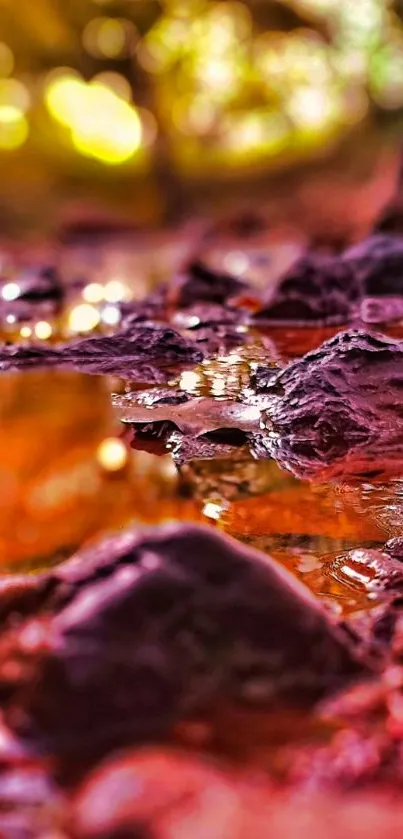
{"x": 199, "y": 657}
{"x": 68, "y": 474}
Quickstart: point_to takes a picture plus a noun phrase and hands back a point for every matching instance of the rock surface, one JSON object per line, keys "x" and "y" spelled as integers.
{"x": 142, "y": 351}
{"x": 337, "y": 411}
{"x": 150, "y": 627}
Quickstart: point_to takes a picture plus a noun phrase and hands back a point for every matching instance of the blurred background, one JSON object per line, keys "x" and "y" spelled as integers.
{"x": 141, "y": 113}
{"x": 135, "y": 134}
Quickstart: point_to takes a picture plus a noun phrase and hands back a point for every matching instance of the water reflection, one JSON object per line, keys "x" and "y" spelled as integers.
{"x": 66, "y": 476}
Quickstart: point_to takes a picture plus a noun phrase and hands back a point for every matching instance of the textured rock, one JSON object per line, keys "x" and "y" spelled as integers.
{"x": 337, "y": 412}
{"x": 192, "y": 415}
{"x": 190, "y": 427}
{"x": 215, "y": 328}
{"x": 377, "y": 263}
{"x": 316, "y": 290}
{"x": 148, "y": 628}
{"x": 199, "y": 284}
{"x": 41, "y": 293}
{"x": 145, "y": 352}
{"x": 365, "y": 282}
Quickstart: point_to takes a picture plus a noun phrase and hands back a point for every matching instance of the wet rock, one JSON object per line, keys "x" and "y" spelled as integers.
{"x": 316, "y": 290}
{"x": 199, "y": 284}
{"x": 151, "y": 627}
{"x": 191, "y": 415}
{"x": 228, "y": 443}
{"x": 378, "y": 264}
{"x": 215, "y": 328}
{"x": 146, "y": 352}
{"x": 151, "y": 308}
{"x": 202, "y": 315}
{"x": 337, "y": 411}
{"x": 394, "y": 547}
{"x": 189, "y": 427}
{"x": 40, "y": 293}
{"x": 40, "y": 285}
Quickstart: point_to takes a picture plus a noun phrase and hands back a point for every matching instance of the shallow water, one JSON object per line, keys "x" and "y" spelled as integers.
{"x": 68, "y": 476}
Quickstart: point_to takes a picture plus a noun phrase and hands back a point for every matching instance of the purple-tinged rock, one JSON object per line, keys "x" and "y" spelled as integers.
{"x": 199, "y": 284}
{"x": 154, "y": 626}
{"x": 228, "y": 443}
{"x": 40, "y": 293}
{"x": 146, "y": 352}
{"x": 378, "y": 264}
{"x": 187, "y": 426}
{"x": 215, "y": 328}
{"x": 151, "y": 308}
{"x": 317, "y": 289}
{"x": 208, "y": 314}
{"x": 337, "y": 412}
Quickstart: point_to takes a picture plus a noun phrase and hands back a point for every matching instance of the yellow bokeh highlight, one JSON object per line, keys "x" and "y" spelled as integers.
{"x": 14, "y": 94}
{"x": 117, "y": 83}
{"x": 112, "y": 454}
{"x": 43, "y": 330}
{"x": 102, "y": 124}
{"x": 83, "y": 318}
{"x": 108, "y": 37}
{"x": 14, "y": 128}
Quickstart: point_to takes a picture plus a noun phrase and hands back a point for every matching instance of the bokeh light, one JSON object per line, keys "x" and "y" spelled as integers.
{"x": 43, "y": 330}
{"x": 108, "y": 37}
{"x": 83, "y": 318}
{"x": 10, "y": 291}
{"x": 112, "y": 454}
{"x": 14, "y": 94}
{"x": 14, "y": 128}
{"x": 93, "y": 293}
{"x": 197, "y": 87}
{"x": 102, "y": 125}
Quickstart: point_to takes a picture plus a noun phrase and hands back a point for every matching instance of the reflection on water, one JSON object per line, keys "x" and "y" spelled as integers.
{"x": 65, "y": 474}
{"x": 226, "y": 375}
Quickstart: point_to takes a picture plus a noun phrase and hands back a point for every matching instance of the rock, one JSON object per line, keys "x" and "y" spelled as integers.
{"x": 142, "y": 351}
{"x": 336, "y": 412}
{"x": 378, "y": 264}
{"x": 199, "y": 284}
{"x": 150, "y": 627}
{"x": 316, "y": 290}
